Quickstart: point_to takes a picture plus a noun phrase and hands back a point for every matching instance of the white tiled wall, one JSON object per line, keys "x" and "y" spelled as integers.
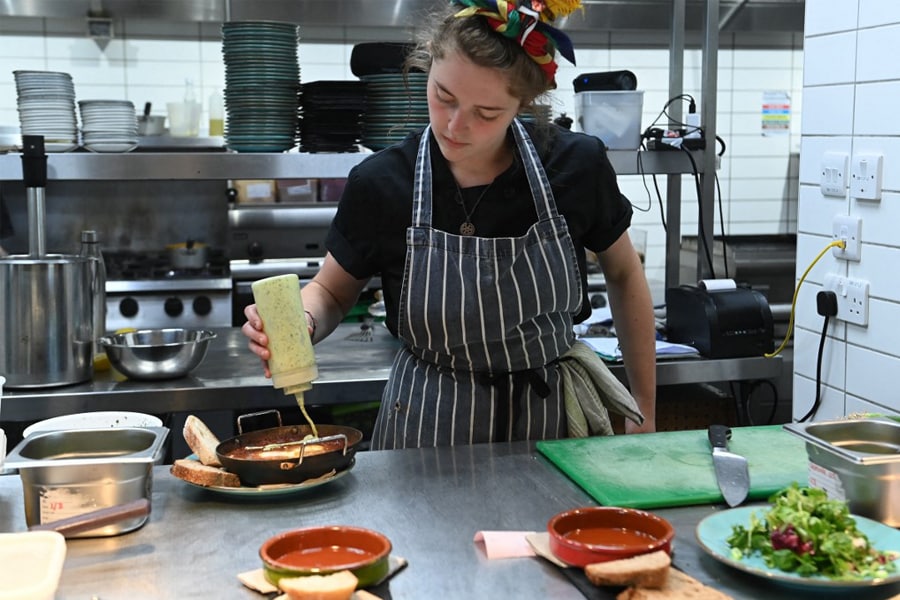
{"x": 757, "y": 179}
{"x": 850, "y": 89}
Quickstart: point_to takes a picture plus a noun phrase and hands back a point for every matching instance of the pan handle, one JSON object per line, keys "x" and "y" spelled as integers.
{"x": 96, "y": 518}
{"x": 288, "y": 465}
{"x": 257, "y": 415}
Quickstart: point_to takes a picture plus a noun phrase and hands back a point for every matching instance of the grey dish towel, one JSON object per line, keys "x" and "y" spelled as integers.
{"x": 591, "y": 391}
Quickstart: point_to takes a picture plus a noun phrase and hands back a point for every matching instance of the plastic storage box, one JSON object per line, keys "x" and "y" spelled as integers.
{"x": 614, "y": 117}
{"x": 30, "y": 564}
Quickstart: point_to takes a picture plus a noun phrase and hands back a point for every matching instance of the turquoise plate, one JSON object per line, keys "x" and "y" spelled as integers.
{"x": 270, "y": 491}
{"x": 713, "y": 530}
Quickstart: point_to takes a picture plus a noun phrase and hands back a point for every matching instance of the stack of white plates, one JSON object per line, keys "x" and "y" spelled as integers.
{"x": 262, "y": 85}
{"x": 108, "y": 125}
{"x": 46, "y": 103}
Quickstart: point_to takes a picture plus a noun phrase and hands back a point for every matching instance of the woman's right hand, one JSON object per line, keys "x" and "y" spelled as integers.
{"x": 259, "y": 341}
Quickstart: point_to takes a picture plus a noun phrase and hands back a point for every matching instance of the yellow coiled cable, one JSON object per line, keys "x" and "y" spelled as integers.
{"x": 790, "y": 329}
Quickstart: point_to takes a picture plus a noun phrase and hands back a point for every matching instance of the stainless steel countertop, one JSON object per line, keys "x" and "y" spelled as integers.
{"x": 230, "y": 377}
{"x": 429, "y": 502}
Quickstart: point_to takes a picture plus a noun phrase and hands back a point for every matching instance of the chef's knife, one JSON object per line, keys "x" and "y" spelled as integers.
{"x": 732, "y": 473}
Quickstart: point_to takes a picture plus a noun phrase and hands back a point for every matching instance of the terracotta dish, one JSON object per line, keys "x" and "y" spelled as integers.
{"x": 327, "y": 549}
{"x": 600, "y": 533}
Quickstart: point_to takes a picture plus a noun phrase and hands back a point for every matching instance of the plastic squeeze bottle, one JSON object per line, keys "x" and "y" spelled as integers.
{"x": 293, "y": 362}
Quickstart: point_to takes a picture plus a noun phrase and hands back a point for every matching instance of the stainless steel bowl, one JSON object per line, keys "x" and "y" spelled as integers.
{"x": 157, "y": 353}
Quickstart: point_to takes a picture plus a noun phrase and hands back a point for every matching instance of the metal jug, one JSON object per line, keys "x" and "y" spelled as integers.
{"x": 46, "y": 316}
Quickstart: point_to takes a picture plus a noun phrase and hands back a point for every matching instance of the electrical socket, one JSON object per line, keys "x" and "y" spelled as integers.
{"x": 852, "y": 298}
{"x": 866, "y": 176}
{"x": 849, "y": 229}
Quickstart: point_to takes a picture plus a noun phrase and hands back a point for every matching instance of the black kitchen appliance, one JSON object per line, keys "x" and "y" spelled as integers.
{"x": 724, "y": 323}
{"x": 606, "y": 81}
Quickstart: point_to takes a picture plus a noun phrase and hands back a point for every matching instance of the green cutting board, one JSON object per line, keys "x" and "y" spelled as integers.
{"x": 674, "y": 468}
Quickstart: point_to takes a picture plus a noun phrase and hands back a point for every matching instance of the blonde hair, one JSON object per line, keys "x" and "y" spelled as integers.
{"x": 473, "y": 38}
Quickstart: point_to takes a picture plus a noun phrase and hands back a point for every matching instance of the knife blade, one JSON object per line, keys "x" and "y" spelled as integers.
{"x": 732, "y": 472}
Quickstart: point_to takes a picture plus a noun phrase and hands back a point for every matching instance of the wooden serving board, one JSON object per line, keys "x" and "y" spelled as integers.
{"x": 674, "y": 468}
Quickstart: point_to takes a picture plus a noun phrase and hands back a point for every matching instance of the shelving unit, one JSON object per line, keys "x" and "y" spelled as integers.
{"x": 180, "y": 166}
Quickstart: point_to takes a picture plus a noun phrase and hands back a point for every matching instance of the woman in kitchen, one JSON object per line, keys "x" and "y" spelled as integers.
{"x": 478, "y": 227}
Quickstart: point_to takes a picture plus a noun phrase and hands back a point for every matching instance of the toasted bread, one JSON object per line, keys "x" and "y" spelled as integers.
{"x": 201, "y": 441}
{"x": 197, "y": 473}
{"x": 646, "y": 570}
{"x": 679, "y": 586}
{"x": 335, "y": 586}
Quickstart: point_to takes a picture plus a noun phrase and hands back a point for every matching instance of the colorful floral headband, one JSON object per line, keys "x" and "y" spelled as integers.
{"x": 528, "y": 22}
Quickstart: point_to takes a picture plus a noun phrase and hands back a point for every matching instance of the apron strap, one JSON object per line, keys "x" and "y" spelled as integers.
{"x": 421, "y": 212}
{"x": 537, "y": 177}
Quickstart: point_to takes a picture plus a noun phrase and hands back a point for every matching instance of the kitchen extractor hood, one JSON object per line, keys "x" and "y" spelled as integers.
{"x": 599, "y": 16}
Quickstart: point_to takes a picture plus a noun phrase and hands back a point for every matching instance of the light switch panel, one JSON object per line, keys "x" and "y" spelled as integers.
{"x": 833, "y": 179}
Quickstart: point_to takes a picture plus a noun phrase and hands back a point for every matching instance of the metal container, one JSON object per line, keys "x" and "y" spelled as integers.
{"x": 46, "y": 311}
{"x": 857, "y": 461}
{"x": 68, "y": 473}
{"x": 157, "y": 353}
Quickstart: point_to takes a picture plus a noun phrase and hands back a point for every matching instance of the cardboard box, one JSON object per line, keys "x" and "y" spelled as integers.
{"x": 330, "y": 190}
{"x": 255, "y": 191}
{"x": 297, "y": 190}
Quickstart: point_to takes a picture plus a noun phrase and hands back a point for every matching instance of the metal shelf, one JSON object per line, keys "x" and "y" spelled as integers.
{"x": 178, "y": 166}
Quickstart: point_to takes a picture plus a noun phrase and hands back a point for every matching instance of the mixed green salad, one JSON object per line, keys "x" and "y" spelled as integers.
{"x": 806, "y": 533}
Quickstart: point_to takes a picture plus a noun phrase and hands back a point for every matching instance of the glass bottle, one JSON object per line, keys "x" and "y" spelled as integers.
{"x": 216, "y": 114}
{"x": 90, "y": 247}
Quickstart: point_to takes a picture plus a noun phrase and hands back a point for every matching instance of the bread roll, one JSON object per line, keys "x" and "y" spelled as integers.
{"x": 335, "y": 586}
{"x": 197, "y": 473}
{"x": 679, "y": 586}
{"x": 646, "y": 570}
{"x": 201, "y": 441}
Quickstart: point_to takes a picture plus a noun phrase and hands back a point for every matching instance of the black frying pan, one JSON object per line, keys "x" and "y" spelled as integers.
{"x": 278, "y": 454}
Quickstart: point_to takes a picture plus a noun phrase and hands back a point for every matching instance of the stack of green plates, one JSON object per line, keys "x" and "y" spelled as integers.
{"x": 262, "y": 85}
{"x": 393, "y": 107}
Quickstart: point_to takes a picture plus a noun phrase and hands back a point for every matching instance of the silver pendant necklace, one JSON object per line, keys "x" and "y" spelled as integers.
{"x": 468, "y": 228}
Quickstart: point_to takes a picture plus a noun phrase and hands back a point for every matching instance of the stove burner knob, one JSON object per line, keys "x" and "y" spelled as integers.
{"x": 255, "y": 250}
{"x": 173, "y": 307}
{"x": 128, "y": 307}
{"x": 202, "y": 305}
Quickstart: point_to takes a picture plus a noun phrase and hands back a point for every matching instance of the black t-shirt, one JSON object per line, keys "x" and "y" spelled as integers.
{"x": 368, "y": 234}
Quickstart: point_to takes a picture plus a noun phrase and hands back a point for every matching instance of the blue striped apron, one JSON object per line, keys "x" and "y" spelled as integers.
{"x": 482, "y": 321}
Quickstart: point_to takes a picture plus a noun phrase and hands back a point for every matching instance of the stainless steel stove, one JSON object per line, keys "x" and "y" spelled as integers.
{"x": 144, "y": 290}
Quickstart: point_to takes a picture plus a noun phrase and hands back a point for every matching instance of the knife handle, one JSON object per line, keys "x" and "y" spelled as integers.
{"x": 719, "y": 436}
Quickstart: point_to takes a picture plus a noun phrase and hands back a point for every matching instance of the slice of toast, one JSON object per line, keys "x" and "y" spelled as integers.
{"x": 334, "y": 586}
{"x": 646, "y": 570}
{"x": 197, "y": 473}
{"x": 201, "y": 441}
{"x": 679, "y": 586}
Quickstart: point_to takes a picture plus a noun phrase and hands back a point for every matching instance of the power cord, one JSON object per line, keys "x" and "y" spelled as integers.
{"x": 746, "y": 396}
{"x": 836, "y": 243}
{"x": 826, "y": 305}
{"x": 701, "y": 241}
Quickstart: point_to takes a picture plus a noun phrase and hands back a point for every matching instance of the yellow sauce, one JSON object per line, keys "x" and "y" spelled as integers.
{"x": 302, "y": 406}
